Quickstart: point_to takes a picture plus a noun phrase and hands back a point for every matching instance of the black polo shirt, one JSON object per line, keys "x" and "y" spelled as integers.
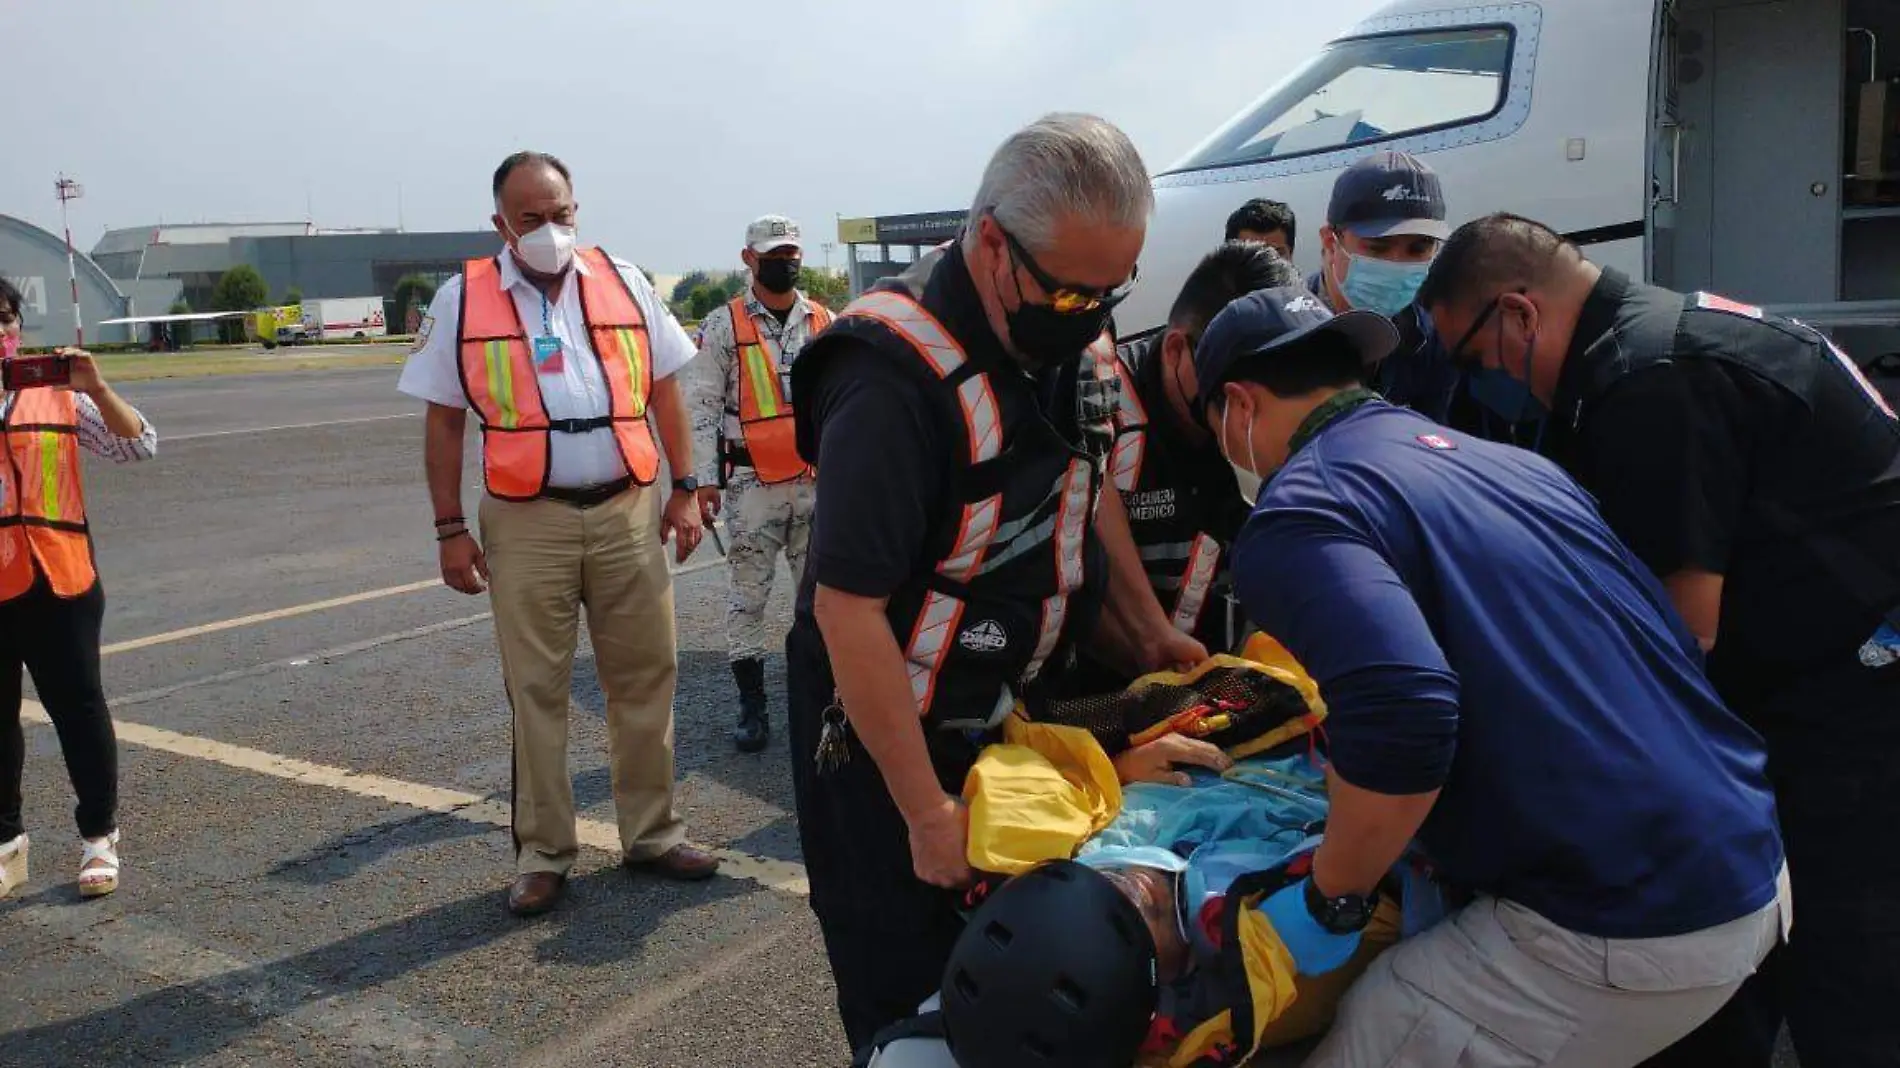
{"x": 1717, "y": 438}
{"x": 885, "y": 456}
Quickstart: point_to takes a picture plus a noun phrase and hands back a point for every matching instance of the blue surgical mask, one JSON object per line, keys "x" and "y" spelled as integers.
{"x": 1381, "y": 285}
{"x": 1505, "y": 395}
{"x": 1509, "y": 397}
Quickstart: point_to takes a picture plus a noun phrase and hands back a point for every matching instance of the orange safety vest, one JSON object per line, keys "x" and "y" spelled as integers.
{"x": 42, "y": 507}
{"x": 498, "y": 374}
{"x": 765, "y": 416}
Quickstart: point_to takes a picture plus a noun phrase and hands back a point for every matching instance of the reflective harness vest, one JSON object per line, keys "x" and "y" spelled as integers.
{"x": 504, "y": 389}
{"x": 1181, "y": 537}
{"x": 42, "y": 505}
{"x": 765, "y": 415}
{"x": 1013, "y": 553}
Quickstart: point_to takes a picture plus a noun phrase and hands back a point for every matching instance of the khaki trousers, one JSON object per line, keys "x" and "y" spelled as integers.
{"x": 1496, "y": 985}
{"x": 547, "y": 560}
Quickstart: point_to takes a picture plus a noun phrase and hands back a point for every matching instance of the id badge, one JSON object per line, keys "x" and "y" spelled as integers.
{"x": 547, "y": 355}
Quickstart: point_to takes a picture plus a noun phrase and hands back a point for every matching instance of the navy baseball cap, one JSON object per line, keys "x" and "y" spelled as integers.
{"x": 1389, "y": 194}
{"x": 1270, "y": 319}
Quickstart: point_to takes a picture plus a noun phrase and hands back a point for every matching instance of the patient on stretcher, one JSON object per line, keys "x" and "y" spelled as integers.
{"x": 1137, "y": 905}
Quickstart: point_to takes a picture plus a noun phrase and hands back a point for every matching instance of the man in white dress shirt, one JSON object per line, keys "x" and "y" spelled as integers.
{"x": 562, "y": 352}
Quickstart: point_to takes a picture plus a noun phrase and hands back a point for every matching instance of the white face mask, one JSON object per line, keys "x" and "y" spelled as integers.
{"x": 547, "y": 249}
{"x": 1249, "y": 482}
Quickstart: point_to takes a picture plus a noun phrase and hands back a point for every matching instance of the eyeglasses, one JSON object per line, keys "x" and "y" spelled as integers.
{"x": 1457, "y": 352}
{"x": 1066, "y": 298}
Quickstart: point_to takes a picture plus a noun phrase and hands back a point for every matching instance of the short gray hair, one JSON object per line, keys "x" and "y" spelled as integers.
{"x": 1064, "y": 165}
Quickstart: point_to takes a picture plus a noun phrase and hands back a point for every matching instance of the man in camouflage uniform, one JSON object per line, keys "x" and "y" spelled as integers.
{"x": 743, "y": 420}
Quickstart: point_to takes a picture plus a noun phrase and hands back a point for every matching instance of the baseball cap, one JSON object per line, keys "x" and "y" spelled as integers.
{"x": 1388, "y": 194}
{"x": 768, "y": 232}
{"x": 1270, "y": 319}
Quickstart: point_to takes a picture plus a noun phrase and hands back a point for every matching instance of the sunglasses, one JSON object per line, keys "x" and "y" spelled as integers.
{"x": 1066, "y": 298}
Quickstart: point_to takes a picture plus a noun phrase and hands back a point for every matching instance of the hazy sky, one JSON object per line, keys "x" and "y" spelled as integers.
{"x": 681, "y": 121}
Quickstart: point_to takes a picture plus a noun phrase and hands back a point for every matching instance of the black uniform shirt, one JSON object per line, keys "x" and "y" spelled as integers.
{"x": 885, "y": 455}
{"x": 1720, "y": 440}
{"x": 1194, "y": 464}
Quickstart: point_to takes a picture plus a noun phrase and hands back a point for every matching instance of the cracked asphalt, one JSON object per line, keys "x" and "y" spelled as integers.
{"x": 266, "y": 920}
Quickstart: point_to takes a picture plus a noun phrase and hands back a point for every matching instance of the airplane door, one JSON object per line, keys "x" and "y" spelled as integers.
{"x": 1753, "y": 210}
{"x": 1665, "y": 145}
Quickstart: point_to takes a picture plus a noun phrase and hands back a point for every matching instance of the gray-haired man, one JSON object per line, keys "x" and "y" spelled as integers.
{"x": 945, "y": 571}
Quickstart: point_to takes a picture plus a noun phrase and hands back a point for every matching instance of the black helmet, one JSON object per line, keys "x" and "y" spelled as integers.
{"x": 1056, "y": 970}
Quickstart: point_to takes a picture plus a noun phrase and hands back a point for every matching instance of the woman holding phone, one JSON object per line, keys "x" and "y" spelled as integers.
{"x": 51, "y": 601}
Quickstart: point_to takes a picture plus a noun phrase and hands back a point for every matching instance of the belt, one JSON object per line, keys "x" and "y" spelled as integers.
{"x": 738, "y": 456}
{"x": 588, "y": 496}
{"x": 580, "y": 426}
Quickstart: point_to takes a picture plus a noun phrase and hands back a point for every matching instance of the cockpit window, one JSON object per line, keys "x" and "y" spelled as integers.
{"x": 1368, "y": 89}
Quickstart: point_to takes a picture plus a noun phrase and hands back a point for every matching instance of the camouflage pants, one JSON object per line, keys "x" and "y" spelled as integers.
{"x": 763, "y": 521}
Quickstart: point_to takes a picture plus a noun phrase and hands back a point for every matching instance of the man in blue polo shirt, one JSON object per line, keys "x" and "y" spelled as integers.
{"x": 1508, "y": 686}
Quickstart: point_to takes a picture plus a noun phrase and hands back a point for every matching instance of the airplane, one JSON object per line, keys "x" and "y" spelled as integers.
{"x": 1696, "y": 144}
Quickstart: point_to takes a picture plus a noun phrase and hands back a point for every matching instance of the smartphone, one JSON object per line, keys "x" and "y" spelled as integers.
{"x": 27, "y": 372}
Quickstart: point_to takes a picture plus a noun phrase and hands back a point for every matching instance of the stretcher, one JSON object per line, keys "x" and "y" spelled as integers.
{"x": 1049, "y": 791}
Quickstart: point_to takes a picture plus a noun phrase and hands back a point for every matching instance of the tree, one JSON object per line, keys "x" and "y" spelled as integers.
{"x": 683, "y": 289}
{"x": 830, "y": 288}
{"x": 179, "y": 333}
{"x": 704, "y": 300}
{"x": 239, "y": 289}
{"x": 293, "y": 295}
{"x": 412, "y": 291}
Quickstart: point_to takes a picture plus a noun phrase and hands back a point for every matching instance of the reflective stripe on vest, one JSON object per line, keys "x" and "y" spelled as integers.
{"x": 1131, "y": 425}
{"x": 1131, "y": 447}
{"x": 43, "y": 528}
{"x": 910, "y": 321}
{"x": 1072, "y": 517}
{"x": 504, "y": 389}
{"x": 929, "y": 641}
{"x": 1203, "y": 564}
{"x": 974, "y": 535}
{"x": 979, "y": 415}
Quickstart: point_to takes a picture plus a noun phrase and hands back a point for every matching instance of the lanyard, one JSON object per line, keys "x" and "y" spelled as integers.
{"x": 547, "y": 323}
{"x": 1321, "y": 417}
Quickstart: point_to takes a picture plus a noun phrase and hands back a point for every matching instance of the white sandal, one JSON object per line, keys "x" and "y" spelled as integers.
{"x": 99, "y": 865}
{"x": 13, "y": 864}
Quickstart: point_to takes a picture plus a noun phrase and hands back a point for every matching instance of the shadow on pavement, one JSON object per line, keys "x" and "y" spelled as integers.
{"x": 346, "y": 855}
{"x": 187, "y": 1022}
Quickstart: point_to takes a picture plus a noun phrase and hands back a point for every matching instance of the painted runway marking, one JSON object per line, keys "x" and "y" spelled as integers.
{"x": 288, "y": 426}
{"x": 296, "y": 610}
{"x": 265, "y": 617}
{"x": 782, "y": 875}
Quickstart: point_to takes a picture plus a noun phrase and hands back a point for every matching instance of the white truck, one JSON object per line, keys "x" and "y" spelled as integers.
{"x": 339, "y": 317}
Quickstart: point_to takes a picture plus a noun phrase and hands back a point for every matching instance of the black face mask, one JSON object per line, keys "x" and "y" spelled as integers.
{"x": 778, "y": 275}
{"x": 1045, "y": 336}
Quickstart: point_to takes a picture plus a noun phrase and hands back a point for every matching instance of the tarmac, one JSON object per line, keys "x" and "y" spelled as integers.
{"x": 315, "y": 771}
{"x": 314, "y": 758}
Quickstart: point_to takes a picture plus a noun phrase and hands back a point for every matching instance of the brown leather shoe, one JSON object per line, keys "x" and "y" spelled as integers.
{"x": 535, "y": 892}
{"x": 682, "y": 862}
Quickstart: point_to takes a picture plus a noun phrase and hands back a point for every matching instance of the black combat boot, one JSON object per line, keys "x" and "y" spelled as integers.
{"x": 754, "y": 730}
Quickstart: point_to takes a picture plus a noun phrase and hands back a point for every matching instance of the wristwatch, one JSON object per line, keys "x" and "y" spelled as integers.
{"x": 688, "y": 484}
{"x": 1346, "y": 914}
